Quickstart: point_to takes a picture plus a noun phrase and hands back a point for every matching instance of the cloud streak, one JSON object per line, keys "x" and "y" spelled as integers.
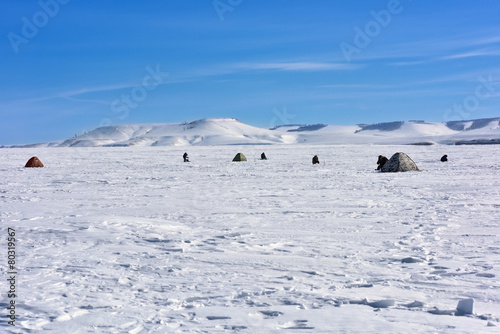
{"x": 469, "y": 54}
{"x": 298, "y": 66}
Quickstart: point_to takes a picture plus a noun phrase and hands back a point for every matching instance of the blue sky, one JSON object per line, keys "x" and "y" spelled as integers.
{"x": 69, "y": 66}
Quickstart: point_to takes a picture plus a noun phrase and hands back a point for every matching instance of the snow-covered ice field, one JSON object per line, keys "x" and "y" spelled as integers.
{"x": 133, "y": 240}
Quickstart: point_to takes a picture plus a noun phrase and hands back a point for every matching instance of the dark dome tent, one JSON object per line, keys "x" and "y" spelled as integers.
{"x": 239, "y": 157}
{"x": 34, "y": 162}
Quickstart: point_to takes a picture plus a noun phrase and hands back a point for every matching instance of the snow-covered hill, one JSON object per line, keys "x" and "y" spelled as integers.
{"x": 230, "y": 131}
{"x": 212, "y": 131}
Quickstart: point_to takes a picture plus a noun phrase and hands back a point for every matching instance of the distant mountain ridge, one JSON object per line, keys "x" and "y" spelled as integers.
{"x": 471, "y": 124}
{"x": 300, "y": 127}
{"x": 386, "y": 126}
{"x": 453, "y": 125}
{"x": 230, "y": 131}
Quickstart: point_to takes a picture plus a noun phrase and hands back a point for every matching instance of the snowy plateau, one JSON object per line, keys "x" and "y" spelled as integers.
{"x": 130, "y": 239}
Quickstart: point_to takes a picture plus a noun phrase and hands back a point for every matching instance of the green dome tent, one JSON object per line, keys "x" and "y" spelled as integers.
{"x": 239, "y": 157}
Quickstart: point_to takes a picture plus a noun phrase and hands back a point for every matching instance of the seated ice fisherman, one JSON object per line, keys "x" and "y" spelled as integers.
{"x": 315, "y": 160}
{"x": 263, "y": 156}
{"x": 381, "y": 162}
{"x": 185, "y": 156}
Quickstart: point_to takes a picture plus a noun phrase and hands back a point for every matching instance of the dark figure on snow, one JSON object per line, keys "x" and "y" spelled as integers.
{"x": 444, "y": 158}
{"x": 315, "y": 160}
{"x": 381, "y": 161}
{"x": 263, "y": 156}
{"x": 185, "y": 156}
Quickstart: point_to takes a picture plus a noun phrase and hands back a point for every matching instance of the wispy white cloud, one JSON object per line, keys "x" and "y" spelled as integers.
{"x": 424, "y": 51}
{"x": 493, "y": 39}
{"x": 237, "y": 68}
{"x": 95, "y": 89}
{"x": 71, "y": 98}
{"x": 452, "y": 56}
{"x": 469, "y": 54}
{"x": 76, "y": 94}
{"x": 87, "y": 94}
{"x": 411, "y": 63}
{"x": 380, "y": 91}
{"x": 71, "y": 94}
{"x": 358, "y": 86}
{"x": 298, "y": 66}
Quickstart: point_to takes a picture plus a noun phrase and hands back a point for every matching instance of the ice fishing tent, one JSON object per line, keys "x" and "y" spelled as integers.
{"x": 399, "y": 162}
{"x": 34, "y": 162}
{"x": 239, "y": 157}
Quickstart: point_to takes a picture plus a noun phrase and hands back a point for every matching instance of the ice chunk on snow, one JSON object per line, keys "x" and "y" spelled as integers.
{"x": 383, "y": 303}
{"x": 416, "y": 303}
{"x": 411, "y": 260}
{"x": 465, "y": 306}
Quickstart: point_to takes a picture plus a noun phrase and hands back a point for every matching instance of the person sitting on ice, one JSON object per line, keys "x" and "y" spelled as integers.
{"x": 263, "y": 156}
{"x": 315, "y": 160}
{"x": 381, "y": 162}
{"x": 185, "y": 156}
{"x": 444, "y": 158}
